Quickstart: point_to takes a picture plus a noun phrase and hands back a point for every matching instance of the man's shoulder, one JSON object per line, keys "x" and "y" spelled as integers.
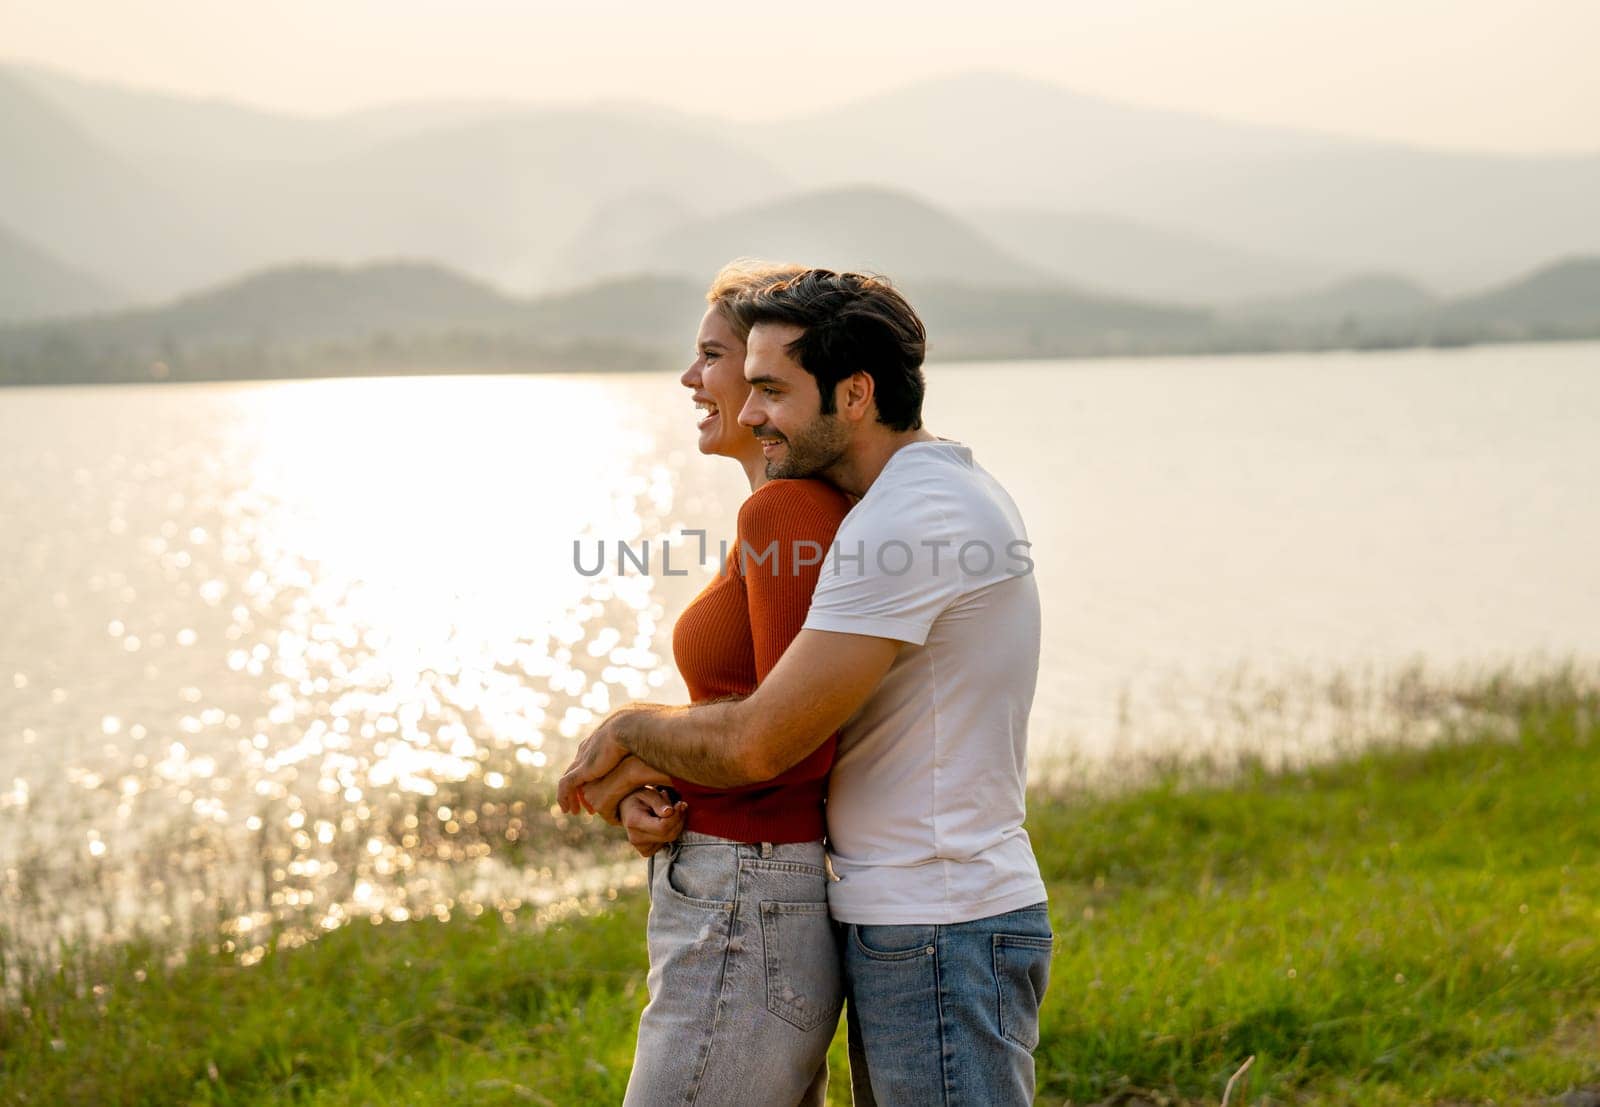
{"x": 937, "y": 486}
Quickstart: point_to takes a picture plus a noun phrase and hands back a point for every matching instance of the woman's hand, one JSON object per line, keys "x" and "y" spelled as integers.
{"x": 604, "y": 796}
{"x": 651, "y": 820}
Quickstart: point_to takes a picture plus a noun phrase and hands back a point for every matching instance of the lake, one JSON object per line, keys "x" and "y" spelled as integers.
{"x": 317, "y": 649}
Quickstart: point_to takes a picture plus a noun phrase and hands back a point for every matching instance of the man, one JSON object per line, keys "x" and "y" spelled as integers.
{"x": 921, "y": 648}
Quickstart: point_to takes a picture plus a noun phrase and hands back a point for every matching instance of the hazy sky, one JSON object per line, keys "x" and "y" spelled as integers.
{"x": 1511, "y": 75}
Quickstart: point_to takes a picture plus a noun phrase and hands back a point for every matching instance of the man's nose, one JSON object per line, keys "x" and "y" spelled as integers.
{"x": 750, "y": 414}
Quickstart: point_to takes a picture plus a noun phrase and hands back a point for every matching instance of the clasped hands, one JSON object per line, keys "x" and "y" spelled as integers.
{"x": 606, "y": 780}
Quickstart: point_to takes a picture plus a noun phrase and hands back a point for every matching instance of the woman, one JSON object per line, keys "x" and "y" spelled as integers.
{"x": 745, "y": 985}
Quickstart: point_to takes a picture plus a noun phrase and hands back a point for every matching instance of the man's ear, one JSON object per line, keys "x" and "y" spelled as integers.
{"x": 855, "y": 396}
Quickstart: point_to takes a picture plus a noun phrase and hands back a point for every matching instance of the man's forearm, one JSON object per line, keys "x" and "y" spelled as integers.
{"x": 821, "y": 680}
{"x": 701, "y": 742}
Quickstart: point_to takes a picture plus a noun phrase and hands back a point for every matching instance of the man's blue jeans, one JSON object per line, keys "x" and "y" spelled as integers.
{"x": 946, "y": 1015}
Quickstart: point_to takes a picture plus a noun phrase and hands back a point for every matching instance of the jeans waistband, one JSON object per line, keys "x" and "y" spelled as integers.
{"x": 810, "y": 852}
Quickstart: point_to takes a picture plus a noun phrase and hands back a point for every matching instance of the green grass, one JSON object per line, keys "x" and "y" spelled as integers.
{"x": 1402, "y": 926}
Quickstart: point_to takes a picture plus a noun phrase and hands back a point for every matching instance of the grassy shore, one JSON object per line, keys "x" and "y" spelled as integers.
{"x": 1401, "y": 926}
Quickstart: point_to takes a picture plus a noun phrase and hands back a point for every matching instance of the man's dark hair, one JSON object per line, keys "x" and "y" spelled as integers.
{"x": 851, "y": 323}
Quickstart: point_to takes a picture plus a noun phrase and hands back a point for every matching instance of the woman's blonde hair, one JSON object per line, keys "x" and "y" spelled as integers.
{"x": 738, "y": 280}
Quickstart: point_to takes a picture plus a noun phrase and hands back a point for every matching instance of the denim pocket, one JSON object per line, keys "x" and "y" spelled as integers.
{"x": 893, "y": 942}
{"x": 706, "y": 880}
{"x": 804, "y": 984}
{"x": 1021, "y": 972}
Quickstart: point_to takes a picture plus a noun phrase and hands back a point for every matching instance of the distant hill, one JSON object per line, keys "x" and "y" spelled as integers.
{"x": 966, "y": 321}
{"x": 659, "y": 312}
{"x": 76, "y": 200}
{"x": 987, "y": 140}
{"x": 300, "y": 321}
{"x": 163, "y": 194}
{"x": 1117, "y": 255}
{"x": 612, "y": 241}
{"x": 35, "y": 285}
{"x": 1561, "y": 300}
{"x": 133, "y": 122}
{"x": 1563, "y": 297}
{"x": 1382, "y": 310}
{"x": 1368, "y": 296}
{"x": 501, "y": 198}
{"x": 145, "y": 122}
{"x": 142, "y": 123}
{"x": 312, "y": 303}
{"x": 403, "y": 316}
{"x": 864, "y": 229}
{"x": 319, "y": 320}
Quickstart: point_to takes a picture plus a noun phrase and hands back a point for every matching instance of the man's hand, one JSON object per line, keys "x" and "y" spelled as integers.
{"x": 651, "y": 821}
{"x": 599, "y": 754}
{"x": 604, "y": 796}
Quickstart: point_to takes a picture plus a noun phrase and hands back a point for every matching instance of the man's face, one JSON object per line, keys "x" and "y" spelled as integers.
{"x": 785, "y": 407}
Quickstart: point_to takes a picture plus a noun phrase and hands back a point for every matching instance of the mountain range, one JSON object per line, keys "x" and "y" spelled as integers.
{"x": 1453, "y": 220}
{"x": 33, "y": 284}
{"x": 401, "y": 316}
{"x": 980, "y": 179}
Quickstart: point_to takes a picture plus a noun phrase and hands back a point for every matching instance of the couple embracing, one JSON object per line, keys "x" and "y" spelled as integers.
{"x": 837, "y": 817}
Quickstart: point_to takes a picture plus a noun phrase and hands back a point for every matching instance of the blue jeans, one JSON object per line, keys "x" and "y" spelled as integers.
{"x": 745, "y": 986}
{"x": 946, "y": 1016}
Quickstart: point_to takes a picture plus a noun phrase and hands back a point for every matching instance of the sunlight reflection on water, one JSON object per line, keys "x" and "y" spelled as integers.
{"x": 341, "y": 628}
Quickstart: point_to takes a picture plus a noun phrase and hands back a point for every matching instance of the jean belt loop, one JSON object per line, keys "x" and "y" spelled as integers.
{"x": 766, "y": 850}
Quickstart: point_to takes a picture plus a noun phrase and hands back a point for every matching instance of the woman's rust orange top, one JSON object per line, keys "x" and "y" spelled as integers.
{"x": 729, "y": 638}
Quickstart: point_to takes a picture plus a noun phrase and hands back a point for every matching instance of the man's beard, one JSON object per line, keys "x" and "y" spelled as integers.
{"x": 810, "y": 452}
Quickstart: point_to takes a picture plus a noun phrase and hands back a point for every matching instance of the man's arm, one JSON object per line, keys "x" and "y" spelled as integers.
{"x": 821, "y": 680}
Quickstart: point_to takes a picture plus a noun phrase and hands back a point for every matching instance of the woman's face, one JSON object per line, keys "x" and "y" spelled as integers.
{"x": 716, "y": 378}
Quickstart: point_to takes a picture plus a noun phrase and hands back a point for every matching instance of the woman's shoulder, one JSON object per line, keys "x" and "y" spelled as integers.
{"x": 782, "y": 504}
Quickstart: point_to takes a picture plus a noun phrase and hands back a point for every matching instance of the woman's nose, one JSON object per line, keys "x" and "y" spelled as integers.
{"x": 691, "y": 375}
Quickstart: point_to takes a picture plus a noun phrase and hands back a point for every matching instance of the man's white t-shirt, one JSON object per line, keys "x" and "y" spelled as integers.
{"x": 926, "y": 797}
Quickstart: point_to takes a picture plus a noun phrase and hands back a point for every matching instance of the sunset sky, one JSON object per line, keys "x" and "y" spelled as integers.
{"x": 1466, "y": 74}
